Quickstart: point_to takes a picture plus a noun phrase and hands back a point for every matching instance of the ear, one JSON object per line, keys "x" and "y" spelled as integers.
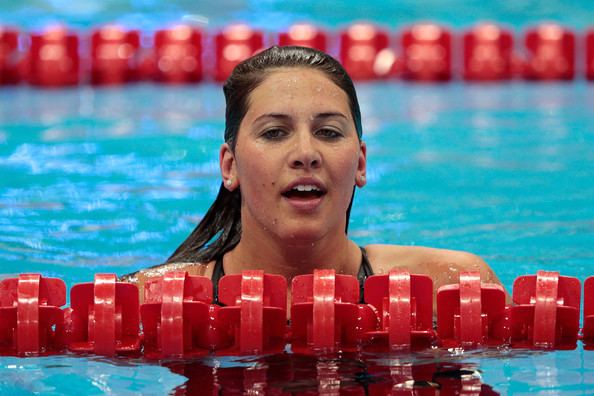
{"x": 228, "y": 167}
{"x": 361, "y": 175}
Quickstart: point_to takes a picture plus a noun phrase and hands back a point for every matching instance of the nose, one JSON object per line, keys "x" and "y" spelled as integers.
{"x": 305, "y": 153}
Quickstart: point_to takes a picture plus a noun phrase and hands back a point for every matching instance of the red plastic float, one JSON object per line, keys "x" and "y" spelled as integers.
{"x": 31, "y": 320}
{"x": 178, "y": 55}
{"x": 325, "y": 314}
{"x": 404, "y": 303}
{"x": 104, "y": 317}
{"x": 114, "y": 55}
{"x": 427, "y": 53}
{"x": 9, "y": 56}
{"x": 488, "y": 53}
{"x": 472, "y": 313}
{"x": 255, "y": 311}
{"x": 53, "y": 58}
{"x": 589, "y": 58}
{"x": 178, "y": 319}
{"x": 588, "y": 324}
{"x": 365, "y": 52}
{"x": 233, "y": 45}
{"x": 550, "y": 53}
{"x": 304, "y": 35}
{"x": 547, "y": 310}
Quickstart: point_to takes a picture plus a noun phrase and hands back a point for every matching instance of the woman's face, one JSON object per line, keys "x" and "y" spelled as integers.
{"x": 297, "y": 157}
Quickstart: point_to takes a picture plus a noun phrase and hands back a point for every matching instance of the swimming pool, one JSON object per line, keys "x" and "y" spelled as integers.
{"x": 110, "y": 180}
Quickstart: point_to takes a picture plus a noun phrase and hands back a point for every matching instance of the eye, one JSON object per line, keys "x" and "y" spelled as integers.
{"x": 329, "y": 133}
{"x": 274, "y": 133}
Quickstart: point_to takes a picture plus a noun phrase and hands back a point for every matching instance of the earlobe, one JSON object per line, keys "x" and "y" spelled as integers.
{"x": 361, "y": 179}
{"x": 228, "y": 167}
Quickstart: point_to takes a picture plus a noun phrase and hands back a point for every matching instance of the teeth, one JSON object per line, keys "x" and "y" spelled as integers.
{"x": 305, "y": 187}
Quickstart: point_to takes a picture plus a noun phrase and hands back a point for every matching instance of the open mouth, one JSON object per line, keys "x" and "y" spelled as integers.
{"x": 304, "y": 192}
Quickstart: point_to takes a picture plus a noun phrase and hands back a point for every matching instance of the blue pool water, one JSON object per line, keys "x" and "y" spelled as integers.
{"x": 111, "y": 180}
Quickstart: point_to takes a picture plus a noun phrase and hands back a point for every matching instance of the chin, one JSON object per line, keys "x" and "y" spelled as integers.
{"x": 301, "y": 235}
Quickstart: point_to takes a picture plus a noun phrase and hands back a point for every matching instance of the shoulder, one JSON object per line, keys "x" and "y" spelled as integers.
{"x": 442, "y": 265}
{"x": 141, "y": 277}
{"x": 396, "y": 255}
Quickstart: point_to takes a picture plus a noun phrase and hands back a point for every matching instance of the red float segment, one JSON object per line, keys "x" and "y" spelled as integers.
{"x": 488, "y": 53}
{"x": 550, "y": 53}
{"x": 172, "y": 314}
{"x": 53, "y": 58}
{"x": 9, "y": 56}
{"x": 470, "y": 308}
{"x": 404, "y": 303}
{"x": 325, "y": 315}
{"x": 588, "y": 324}
{"x": 546, "y": 314}
{"x": 178, "y": 55}
{"x": 365, "y": 52}
{"x": 31, "y": 320}
{"x": 177, "y": 317}
{"x": 114, "y": 55}
{"x": 589, "y": 58}
{"x": 323, "y": 309}
{"x": 304, "y": 35}
{"x": 471, "y": 313}
{"x": 427, "y": 53}
{"x": 233, "y": 45}
{"x": 104, "y": 317}
{"x": 255, "y": 312}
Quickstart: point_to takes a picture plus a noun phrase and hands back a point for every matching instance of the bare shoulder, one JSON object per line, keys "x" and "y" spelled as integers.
{"x": 442, "y": 265}
{"x": 141, "y": 277}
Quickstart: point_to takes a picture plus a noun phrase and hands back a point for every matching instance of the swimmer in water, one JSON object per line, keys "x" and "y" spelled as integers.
{"x": 292, "y": 159}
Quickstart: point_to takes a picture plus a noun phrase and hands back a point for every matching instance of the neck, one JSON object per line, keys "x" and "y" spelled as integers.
{"x": 260, "y": 250}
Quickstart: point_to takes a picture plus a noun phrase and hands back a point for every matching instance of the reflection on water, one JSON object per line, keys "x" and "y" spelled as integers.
{"x": 74, "y": 375}
{"x": 290, "y": 374}
{"x": 432, "y": 372}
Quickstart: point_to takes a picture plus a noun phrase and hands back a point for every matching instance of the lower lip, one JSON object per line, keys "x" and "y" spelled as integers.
{"x": 305, "y": 205}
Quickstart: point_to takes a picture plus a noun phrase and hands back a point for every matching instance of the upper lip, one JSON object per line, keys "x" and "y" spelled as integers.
{"x": 305, "y": 181}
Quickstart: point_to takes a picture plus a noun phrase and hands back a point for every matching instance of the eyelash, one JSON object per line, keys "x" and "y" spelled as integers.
{"x": 329, "y": 133}
{"x": 279, "y": 133}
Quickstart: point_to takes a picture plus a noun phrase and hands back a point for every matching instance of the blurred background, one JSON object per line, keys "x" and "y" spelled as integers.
{"x": 276, "y": 15}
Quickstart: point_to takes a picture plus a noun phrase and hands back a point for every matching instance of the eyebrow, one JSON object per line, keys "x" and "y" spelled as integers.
{"x": 282, "y": 116}
{"x": 279, "y": 116}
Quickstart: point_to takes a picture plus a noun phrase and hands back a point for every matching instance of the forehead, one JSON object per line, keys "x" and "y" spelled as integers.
{"x": 293, "y": 89}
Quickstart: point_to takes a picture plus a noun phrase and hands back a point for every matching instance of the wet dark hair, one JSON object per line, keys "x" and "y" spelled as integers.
{"x": 220, "y": 229}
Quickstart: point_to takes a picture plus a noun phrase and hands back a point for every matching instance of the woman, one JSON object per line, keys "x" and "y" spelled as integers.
{"x": 291, "y": 161}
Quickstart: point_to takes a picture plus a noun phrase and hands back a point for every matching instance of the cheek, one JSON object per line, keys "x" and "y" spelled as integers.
{"x": 346, "y": 165}
{"x": 256, "y": 171}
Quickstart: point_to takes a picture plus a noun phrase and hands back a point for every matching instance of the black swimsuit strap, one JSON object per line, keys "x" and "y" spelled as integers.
{"x": 365, "y": 271}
